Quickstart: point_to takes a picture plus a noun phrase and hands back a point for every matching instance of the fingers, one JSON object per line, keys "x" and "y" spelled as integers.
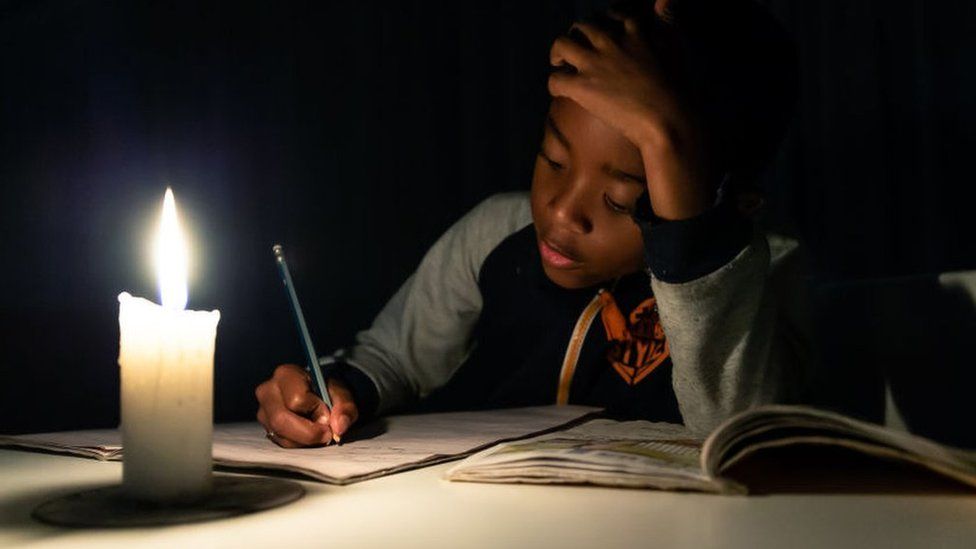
{"x": 566, "y": 51}
{"x": 296, "y": 391}
{"x": 289, "y": 426}
{"x": 296, "y": 416}
{"x": 597, "y": 36}
{"x": 344, "y": 411}
{"x": 572, "y": 86}
{"x": 629, "y": 23}
{"x": 571, "y": 58}
{"x": 559, "y": 84}
{"x": 284, "y": 400}
{"x": 274, "y": 436}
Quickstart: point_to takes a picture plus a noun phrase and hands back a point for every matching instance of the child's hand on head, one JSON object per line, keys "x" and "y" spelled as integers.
{"x": 620, "y": 77}
{"x": 295, "y": 416}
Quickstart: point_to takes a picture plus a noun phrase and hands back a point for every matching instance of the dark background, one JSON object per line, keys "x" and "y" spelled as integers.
{"x": 356, "y": 132}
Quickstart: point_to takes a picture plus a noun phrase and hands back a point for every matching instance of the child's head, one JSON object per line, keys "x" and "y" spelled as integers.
{"x": 736, "y": 65}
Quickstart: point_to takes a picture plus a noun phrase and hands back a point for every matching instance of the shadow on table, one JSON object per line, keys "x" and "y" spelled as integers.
{"x": 818, "y": 469}
{"x": 15, "y": 511}
{"x": 368, "y": 430}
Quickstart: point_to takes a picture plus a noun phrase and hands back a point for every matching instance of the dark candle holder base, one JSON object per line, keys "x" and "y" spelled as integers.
{"x": 111, "y": 508}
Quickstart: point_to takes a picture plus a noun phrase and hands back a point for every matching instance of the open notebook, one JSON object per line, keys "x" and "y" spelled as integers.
{"x": 387, "y": 445}
{"x": 765, "y": 448}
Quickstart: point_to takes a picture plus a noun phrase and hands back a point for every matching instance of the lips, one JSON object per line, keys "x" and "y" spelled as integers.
{"x": 557, "y": 255}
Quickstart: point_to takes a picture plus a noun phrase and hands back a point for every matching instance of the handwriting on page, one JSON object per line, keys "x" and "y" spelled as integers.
{"x": 389, "y": 445}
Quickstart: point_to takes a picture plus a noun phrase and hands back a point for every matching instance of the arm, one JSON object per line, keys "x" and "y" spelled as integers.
{"x": 732, "y": 309}
{"x": 415, "y": 344}
{"x": 423, "y": 334}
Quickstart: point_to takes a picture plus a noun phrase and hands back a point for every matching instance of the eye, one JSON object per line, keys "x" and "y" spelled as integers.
{"x": 619, "y": 208}
{"x": 552, "y": 163}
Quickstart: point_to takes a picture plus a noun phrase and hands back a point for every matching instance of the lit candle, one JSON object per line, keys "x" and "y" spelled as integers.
{"x": 166, "y": 369}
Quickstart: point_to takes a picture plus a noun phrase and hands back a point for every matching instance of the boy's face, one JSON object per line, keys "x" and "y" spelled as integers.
{"x": 586, "y": 182}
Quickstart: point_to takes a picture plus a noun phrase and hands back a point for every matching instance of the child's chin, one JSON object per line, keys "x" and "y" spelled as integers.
{"x": 570, "y": 279}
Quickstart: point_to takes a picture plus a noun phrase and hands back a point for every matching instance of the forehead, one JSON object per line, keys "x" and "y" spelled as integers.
{"x": 589, "y": 136}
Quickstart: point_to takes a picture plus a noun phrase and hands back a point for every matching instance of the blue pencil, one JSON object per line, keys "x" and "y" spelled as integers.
{"x": 310, "y": 356}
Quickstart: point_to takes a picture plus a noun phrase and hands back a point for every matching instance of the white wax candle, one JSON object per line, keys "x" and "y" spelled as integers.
{"x": 166, "y": 369}
{"x": 166, "y": 361}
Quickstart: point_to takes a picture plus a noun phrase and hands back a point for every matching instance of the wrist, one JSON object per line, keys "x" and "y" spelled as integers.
{"x": 677, "y": 180}
{"x": 652, "y": 133}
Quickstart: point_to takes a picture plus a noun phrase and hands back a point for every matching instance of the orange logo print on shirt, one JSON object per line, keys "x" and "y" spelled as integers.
{"x": 637, "y": 344}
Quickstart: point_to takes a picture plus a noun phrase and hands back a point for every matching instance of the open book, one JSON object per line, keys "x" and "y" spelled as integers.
{"x": 382, "y": 447}
{"x": 641, "y": 454}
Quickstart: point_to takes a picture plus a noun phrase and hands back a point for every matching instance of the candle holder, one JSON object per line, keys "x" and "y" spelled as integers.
{"x": 112, "y": 507}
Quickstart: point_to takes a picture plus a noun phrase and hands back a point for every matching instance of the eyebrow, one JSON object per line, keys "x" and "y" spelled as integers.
{"x": 616, "y": 173}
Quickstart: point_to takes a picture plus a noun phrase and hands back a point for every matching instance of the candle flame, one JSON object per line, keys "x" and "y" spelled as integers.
{"x": 171, "y": 254}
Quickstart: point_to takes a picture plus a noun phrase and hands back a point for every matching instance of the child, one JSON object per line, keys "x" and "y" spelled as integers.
{"x": 630, "y": 277}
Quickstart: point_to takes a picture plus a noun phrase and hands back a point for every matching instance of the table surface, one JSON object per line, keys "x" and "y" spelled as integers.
{"x": 420, "y": 509}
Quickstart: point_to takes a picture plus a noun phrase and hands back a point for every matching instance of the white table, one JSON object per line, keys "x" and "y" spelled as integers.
{"x": 419, "y": 509}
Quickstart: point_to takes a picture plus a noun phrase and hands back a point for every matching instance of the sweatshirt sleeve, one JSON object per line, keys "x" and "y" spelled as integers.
{"x": 730, "y": 301}
{"x": 424, "y": 333}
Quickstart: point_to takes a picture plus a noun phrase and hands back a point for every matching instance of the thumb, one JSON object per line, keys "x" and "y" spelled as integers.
{"x": 344, "y": 411}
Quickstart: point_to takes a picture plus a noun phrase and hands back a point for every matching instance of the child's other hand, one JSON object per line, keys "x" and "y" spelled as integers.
{"x": 296, "y": 416}
{"x": 621, "y": 77}
{"x": 616, "y": 75}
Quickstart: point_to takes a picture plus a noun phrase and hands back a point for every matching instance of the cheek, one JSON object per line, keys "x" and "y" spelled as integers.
{"x": 541, "y": 193}
{"x": 621, "y": 247}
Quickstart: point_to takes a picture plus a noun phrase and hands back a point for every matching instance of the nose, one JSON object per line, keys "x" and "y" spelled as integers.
{"x": 568, "y": 208}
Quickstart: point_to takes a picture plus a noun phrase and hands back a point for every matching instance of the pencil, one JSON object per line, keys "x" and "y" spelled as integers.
{"x": 310, "y": 356}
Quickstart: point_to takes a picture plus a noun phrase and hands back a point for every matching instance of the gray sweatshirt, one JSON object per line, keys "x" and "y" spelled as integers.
{"x": 731, "y": 310}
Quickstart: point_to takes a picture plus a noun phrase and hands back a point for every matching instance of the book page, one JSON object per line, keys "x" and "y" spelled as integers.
{"x": 385, "y": 446}
{"x": 636, "y": 454}
{"x": 101, "y": 444}
{"x": 778, "y": 426}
